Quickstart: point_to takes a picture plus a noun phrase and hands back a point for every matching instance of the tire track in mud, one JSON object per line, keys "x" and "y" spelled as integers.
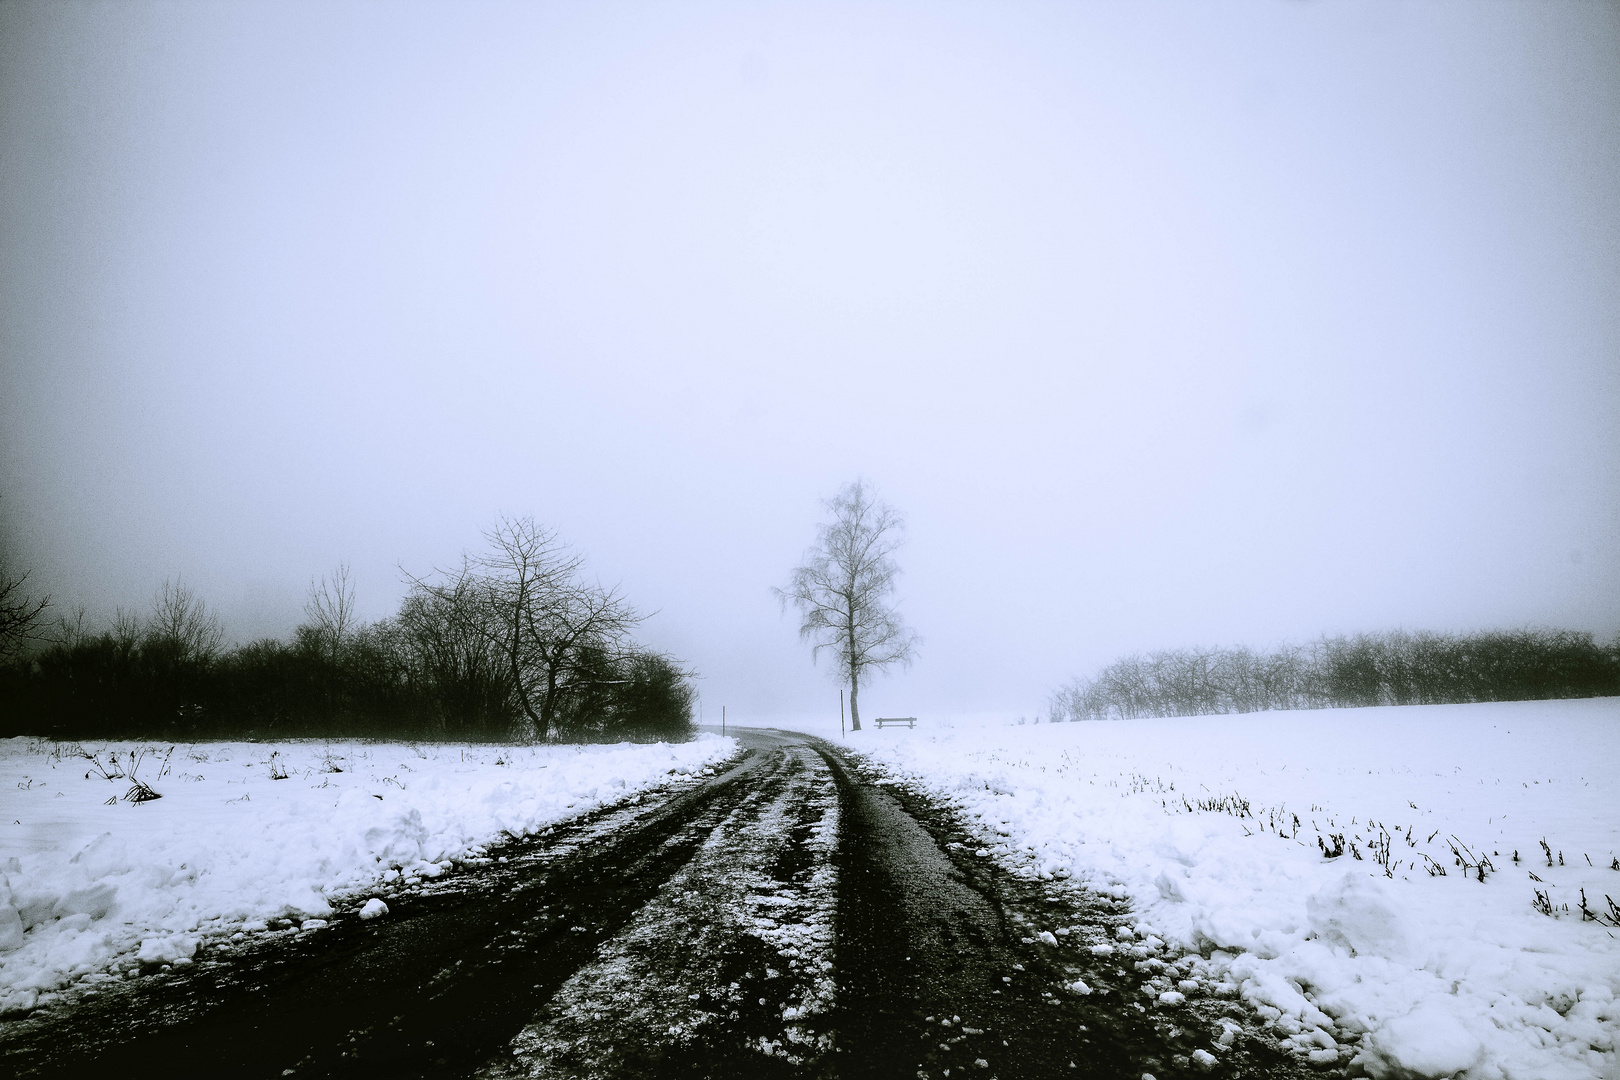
{"x": 728, "y": 971}
{"x": 946, "y": 973}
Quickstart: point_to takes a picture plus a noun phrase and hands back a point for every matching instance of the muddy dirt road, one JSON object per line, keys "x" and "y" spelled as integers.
{"x": 787, "y": 917}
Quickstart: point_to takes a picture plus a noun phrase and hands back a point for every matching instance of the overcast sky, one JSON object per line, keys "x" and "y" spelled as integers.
{"x": 1163, "y": 324}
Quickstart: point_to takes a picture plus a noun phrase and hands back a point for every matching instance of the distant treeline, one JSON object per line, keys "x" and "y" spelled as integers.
{"x": 1396, "y": 668}
{"x": 514, "y": 644}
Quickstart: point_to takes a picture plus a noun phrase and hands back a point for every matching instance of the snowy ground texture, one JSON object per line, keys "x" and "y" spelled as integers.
{"x": 92, "y": 879}
{"x": 1393, "y": 958}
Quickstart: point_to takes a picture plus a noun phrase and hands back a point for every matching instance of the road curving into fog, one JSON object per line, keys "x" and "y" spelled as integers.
{"x": 786, "y": 917}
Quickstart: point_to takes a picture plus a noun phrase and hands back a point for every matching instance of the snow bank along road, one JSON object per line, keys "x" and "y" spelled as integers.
{"x": 787, "y": 917}
{"x": 1399, "y": 891}
{"x": 95, "y": 878}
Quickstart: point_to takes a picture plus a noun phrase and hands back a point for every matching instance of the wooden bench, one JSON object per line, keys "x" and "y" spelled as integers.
{"x": 909, "y": 721}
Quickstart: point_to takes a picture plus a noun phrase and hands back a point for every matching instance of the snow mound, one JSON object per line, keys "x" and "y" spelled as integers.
{"x": 1427, "y": 1043}
{"x": 1362, "y": 914}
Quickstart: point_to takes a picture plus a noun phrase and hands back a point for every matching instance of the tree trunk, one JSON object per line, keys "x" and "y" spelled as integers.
{"x": 512, "y": 660}
{"x": 548, "y": 704}
{"x": 854, "y": 710}
{"x": 523, "y": 699}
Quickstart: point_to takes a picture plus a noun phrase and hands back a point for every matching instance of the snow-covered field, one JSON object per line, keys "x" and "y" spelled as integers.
{"x": 91, "y": 882}
{"x": 1391, "y": 957}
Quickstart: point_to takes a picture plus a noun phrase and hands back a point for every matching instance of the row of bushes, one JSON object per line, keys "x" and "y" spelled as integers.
{"x": 1397, "y": 668}
{"x": 369, "y": 687}
{"x": 492, "y": 651}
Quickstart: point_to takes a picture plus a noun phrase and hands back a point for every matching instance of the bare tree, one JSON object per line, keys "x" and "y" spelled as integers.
{"x": 519, "y": 617}
{"x": 126, "y": 630}
{"x": 842, "y": 590}
{"x": 72, "y": 628}
{"x": 20, "y": 614}
{"x": 528, "y": 573}
{"x": 569, "y": 635}
{"x": 330, "y": 607}
{"x": 183, "y": 623}
{"x": 449, "y": 633}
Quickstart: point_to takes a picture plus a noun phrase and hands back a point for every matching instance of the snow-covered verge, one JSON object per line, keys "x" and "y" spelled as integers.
{"x": 93, "y": 881}
{"x": 1393, "y": 959}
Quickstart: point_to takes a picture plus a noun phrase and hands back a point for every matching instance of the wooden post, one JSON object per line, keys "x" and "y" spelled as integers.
{"x": 841, "y": 734}
{"x": 722, "y": 719}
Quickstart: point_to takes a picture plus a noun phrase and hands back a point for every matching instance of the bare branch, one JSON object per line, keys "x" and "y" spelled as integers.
{"x": 20, "y": 615}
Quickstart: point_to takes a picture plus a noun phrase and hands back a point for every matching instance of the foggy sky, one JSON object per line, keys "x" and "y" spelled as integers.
{"x": 1163, "y": 324}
